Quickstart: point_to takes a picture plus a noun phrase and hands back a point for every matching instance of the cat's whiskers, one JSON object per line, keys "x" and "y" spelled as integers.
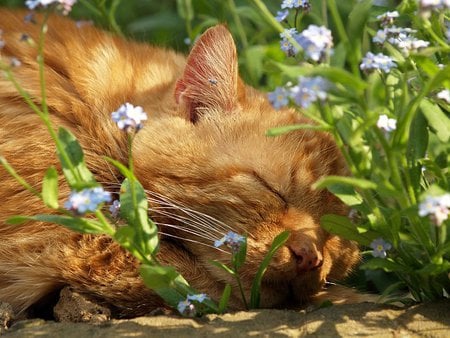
{"x": 187, "y": 221}
{"x": 199, "y": 215}
{"x": 194, "y": 241}
{"x": 193, "y": 218}
{"x": 183, "y": 229}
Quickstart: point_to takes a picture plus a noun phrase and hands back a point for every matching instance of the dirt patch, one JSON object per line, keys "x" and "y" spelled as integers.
{"x": 350, "y": 320}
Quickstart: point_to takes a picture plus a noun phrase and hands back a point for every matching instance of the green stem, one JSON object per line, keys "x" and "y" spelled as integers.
{"x": 19, "y": 178}
{"x": 238, "y": 22}
{"x": 337, "y": 21}
{"x": 41, "y": 64}
{"x": 241, "y": 289}
{"x": 107, "y": 228}
{"x": 112, "y": 18}
{"x": 274, "y": 23}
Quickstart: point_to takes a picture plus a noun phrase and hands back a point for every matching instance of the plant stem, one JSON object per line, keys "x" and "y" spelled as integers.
{"x": 19, "y": 178}
{"x": 238, "y": 22}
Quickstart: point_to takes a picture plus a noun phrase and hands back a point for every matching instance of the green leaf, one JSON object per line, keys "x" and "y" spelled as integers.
{"x": 83, "y": 225}
{"x": 185, "y": 9}
{"x": 277, "y": 243}
{"x": 50, "y": 188}
{"x": 346, "y": 194}
{"x": 225, "y": 298}
{"x": 163, "y": 281}
{"x": 285, "y": 129}
{"x": 239, "y": 258}
{"x": 122, "y": 168}
{"x": 385, "y": 264}
{"x": 354, "y": 182}
{"x": 134, "y": 208}
{"x": 157, "y": 277}
{"x": 357, "y": 20}
{"x": 437, "y": 120}
{"x": 342, "y": 226}
{"x": 253, "y": 57}
{"x": 74, "y": 168}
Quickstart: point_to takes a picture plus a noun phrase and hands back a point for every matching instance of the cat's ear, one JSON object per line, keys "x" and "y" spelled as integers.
{"x": 210, "y": 79}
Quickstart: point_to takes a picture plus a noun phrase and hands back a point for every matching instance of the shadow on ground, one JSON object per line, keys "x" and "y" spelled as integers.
{"x": 362, "y": 320}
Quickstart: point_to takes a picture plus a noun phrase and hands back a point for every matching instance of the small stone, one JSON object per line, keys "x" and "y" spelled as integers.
{"x": 6, "y": 316}
{"x": 74, "y": 307}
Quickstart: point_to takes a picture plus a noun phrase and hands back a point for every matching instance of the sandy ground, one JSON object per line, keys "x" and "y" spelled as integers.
{"x": 351, "y": 320}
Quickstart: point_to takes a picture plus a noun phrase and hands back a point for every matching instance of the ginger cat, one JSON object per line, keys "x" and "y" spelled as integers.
{"x": 202, "y": 157}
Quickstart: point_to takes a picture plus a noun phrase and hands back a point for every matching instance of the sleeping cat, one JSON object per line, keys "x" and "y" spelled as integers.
{"x": 202, "y": 157}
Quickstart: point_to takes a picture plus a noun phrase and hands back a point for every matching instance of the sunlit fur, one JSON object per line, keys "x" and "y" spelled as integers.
{"x": 202, "y": 157}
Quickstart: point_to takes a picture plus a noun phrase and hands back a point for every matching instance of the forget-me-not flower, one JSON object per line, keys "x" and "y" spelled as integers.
{"x": 309, "y": 90}
{"x": 232, "y": 240}
{"x": 279, "y": 97}
{"x": 377, "y": 62}
{"x": 87, "y": 200}
{"x": 386, "y": 124}
{"x": 66, "y": 5}
{"x": 129, "y": 116}
{"x": 436, "y": 207}
{"x": 380, "y": 246}
{"x": 316, "y": 42}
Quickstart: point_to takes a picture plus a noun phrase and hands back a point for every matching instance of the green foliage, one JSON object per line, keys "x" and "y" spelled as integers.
{"x": 392, "y": 173}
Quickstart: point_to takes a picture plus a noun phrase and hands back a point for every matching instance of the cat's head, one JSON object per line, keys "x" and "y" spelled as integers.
{"x": 210, "y": 168}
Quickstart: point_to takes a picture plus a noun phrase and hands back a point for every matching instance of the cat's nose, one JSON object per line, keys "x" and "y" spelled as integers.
{"x": 307, "y": 259}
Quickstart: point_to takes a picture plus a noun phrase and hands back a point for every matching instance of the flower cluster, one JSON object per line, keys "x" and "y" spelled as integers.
{"x": 307, "y": 91}
{"x": 187, "y": 308}
{"x": 86, "y": 200}
{"x": 377, "y": 61}
{"x": 232, "y": 240}
{"x": 64, "y": 5}
{"x": 380, "y": 246}
{"x": 433, "y": 5}
{"x": 387, "y": 18}
{"x": 386, "y": 124}
{"x": 279, "y": 97}
{"x": 401, "y": 37}
{"x": 436, "y": 207}
{"x": 316, "y": 42}
{"x": 129, "y": 117}
{"x": 301, "y": 4}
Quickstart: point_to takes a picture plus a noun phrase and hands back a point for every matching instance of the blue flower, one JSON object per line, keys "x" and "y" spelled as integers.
{"x": 387, "y": 18}
{"x": 303, "y": 4}
{"x": 436, "y": 207}
{"x": 316, "y": 42}
{"x": 279, "y": 97}
{"x": 129, "y": 116}
{"x": 379, "y": 61}
{"x": 309, "y": 90}
{"x": 282, "y": 15}
{"x": 380, "y": 246}
{"x": 198, "y": 297}
{"x": 65, "y": 5}
{"x": 86, "y": 200}
{"x": 286, "y": 45}
{"x": 185, "y": 307}
{"x": 433, "y": 5}
{"x": 232, "y": 240}
{"x": 386, "y": 124}
{"x": 114, "y": 208}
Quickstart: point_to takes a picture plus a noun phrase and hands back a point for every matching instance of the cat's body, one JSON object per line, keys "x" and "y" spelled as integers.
{"x": 202, "y": 156}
